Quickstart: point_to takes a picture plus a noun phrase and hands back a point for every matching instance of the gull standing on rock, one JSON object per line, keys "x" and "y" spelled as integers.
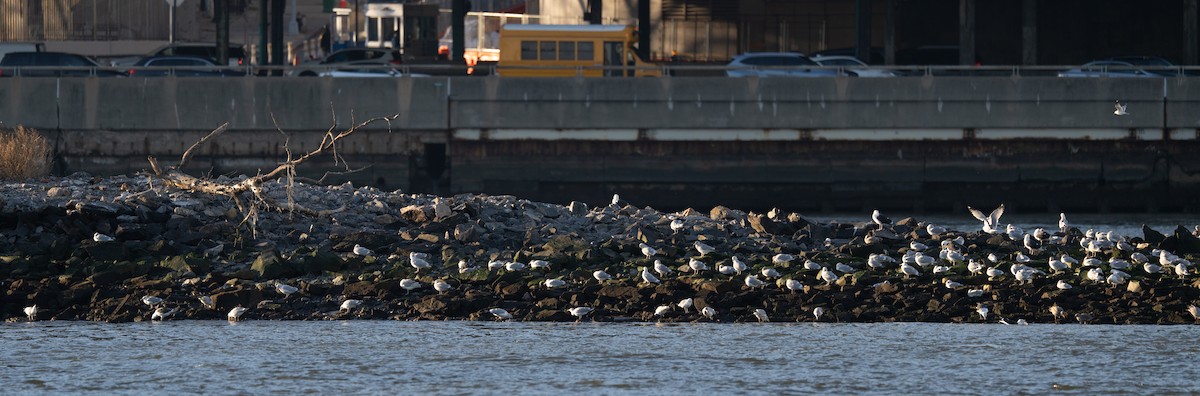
{"x": 738, "y": 265}
{"x": 284, "y": 289}
{"x": 648, "y": 277}
{"x": 207, "y": 302}
{"x": 983, "y": 311}
{"x": 879, "y": 219}
{"x": 726, "y": 269}
{"x": 909, "y": 270}
{"x": 780, "y": 259}
{"x": 686, "y": 304}
{"x": 661, "y": 268}
{"x": 826, "y": 275}
{"x": 350, "y": 305}
{"x": 662, "y": 310}
{"x": 98, "y": 237}
{"x": 417, "y": 261}
{"x": 602, "y": 276}
{"x": 708, "y": 312}
{"x": 793, "y": 285}
{"x": 441, "y": 286}
{"x": 409, "y": 285}
{"x": 235, "y": 314}
{"x": 974, "y": 267}
{"x": 770, "y": 273}
{"x": 843, "y": 268}
{"x": 761, "y": 314}
{"x": 500, "y": 313}
{"x": 817, "y": 312}
{"x": 1195, "y": 311}
{"x": 934, "y": 230}
{"x": 951, "y": 284}
{"x": 697, "y": 266}
{"x": 1063, "y": 285}
{"x": 162, "y": 313}
{"x": 31, "y": 312}
{"x": 753, "y": 283}
{"x": 677, "y": 225}
{"x": 1063, "y": 224}
{"x": 580, "y": 312}
{"x": 648, "y": 251}
{"x": 812, "y": 265}
{"x": 703, "y": 248}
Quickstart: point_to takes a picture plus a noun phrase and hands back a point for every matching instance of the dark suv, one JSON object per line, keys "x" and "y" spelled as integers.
{"x": 52, "y": 64}
{"x": 237, "y": 54}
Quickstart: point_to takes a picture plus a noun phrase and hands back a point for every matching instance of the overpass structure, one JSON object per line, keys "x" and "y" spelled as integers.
{"x": 816, "y": 144}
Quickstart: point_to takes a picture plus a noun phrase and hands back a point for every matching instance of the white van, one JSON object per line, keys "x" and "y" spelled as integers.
{"x": 17, "y": 46}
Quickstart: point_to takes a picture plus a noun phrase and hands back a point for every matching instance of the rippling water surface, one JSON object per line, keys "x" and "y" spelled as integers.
{"x": 356, "y": 357}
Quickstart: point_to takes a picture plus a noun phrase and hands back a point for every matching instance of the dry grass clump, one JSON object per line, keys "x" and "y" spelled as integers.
{"x": 24, "y": 153}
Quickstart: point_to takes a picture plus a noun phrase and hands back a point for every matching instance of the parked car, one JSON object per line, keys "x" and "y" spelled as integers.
{"x": 237, "y": 54}
{"x": 180, "y": 66}
{"x": 852, "y": 65}
{"x": 380, "y": 56}
{"x": 876, "y": 54}
{"x": 366, "y": 69}
{"x": 20, "y": 46}
{"x": 775, "y": 64}
{"x": 1109, "y": 68}
{"x": 52, "y": 64}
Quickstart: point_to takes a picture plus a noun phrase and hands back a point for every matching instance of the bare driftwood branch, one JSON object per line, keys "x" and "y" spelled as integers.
{"x": 251, "y": 187}
{"x": 187, "y": 155}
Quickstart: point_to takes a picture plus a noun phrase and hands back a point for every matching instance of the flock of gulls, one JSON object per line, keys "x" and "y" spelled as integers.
{"x": 936, "y": 254}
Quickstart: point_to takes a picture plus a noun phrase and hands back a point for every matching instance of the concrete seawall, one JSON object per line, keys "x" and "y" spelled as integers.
{"x": 924, "y": 143}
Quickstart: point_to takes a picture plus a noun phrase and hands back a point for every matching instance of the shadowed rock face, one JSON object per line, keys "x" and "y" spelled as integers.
{"x": 182, "y": 246}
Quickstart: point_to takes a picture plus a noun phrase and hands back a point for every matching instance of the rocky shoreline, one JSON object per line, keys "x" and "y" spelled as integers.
{"x": 88, "y": 248}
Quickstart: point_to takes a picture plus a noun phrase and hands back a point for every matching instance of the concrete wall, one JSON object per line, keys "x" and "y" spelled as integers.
{"x": 828, "y": 144}
{"x": 311, "y": 104}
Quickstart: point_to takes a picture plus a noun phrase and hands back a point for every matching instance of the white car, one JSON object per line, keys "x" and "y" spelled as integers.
{"x": 775, "y": 64}
{"x": 366, "y": 69}
{"x": 853, "y": 65}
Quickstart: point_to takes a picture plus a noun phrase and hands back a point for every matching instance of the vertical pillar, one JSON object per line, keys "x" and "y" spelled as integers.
{"x": 1029, "y": 32}
{"x": 1191, "y": 33}
{"x": 221, "y": 12}
{"x": 889, "y": 33}
{"x": 277, "y": 46}
{"x": 862, "y": 30}
{"x": 644, "y": 28}
{"x": 262, "y": 32}
{"x": 966, "y": 32}
{"x": 595, "y": 12}
{"x": 458, "y": 38}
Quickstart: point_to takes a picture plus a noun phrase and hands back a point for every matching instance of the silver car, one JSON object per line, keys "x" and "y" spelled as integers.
{"x": 852, "y": 65}
{"x": 775, "y": 64}
{"x": 1108, "y": 68}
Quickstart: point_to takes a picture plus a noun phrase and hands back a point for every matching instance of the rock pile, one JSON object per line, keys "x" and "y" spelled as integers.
{"x": 86, "y": 248}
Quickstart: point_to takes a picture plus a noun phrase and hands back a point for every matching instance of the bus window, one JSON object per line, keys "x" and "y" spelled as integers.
{"x": 614, "y": 56}
{"x": 547, "y": 50}
{"x": 586, "y": 51}
{"x": 566, "y": 50}
{"x": 529, "y": 50}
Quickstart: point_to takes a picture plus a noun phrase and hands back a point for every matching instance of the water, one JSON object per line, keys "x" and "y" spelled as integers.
{"x": 381, "y": 357}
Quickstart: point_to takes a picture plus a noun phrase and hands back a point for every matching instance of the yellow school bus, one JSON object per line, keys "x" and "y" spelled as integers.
{"x": 571, "y": 50}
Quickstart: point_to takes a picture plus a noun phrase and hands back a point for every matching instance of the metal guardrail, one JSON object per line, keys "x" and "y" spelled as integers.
{"x": 667, "y": 70}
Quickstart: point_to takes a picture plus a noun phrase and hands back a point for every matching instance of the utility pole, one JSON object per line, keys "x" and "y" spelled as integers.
{"x": 221, "y": 9}
{"x": 262, "y": 32}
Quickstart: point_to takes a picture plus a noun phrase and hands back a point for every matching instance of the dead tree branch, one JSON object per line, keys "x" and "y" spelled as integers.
{"x": 251, "y": 187}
